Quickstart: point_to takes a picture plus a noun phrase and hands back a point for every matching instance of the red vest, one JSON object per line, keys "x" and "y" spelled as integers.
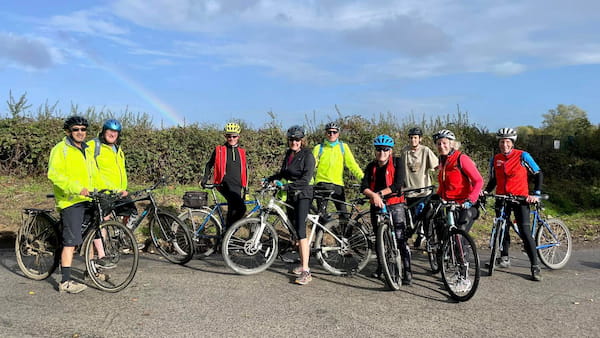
{"x": 390, "y": 171}
{"x": 454, "y": 184}
{"x": 511, "y": 175}
{"x": 221, "y": 164}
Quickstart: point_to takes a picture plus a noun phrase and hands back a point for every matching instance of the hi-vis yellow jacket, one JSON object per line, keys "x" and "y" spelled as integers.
{"x": 70, "y": 171}
{"x": 111, "y": 165}
{"x": 330, "y": 161}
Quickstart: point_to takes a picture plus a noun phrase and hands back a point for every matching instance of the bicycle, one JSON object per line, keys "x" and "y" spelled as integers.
{"x": 169, "y": 234}
{"x": 38, "y": 244}
{"x": 552, "y": 237}
{"x": 206, "y": 222}
{"x": 454, "y": 251}
{"x": 251, "y": 245}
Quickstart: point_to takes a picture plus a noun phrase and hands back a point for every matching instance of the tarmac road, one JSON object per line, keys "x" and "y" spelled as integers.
{"x": 205, "y": 298}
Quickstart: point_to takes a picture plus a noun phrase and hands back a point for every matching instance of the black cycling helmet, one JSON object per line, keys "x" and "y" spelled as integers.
{"x": 415, "y": 131}
{"x": 295, "y": 132}
{"x": 75, "y": 121}
{"x": 332, "y": 125}
{"x": 112, "y": 124}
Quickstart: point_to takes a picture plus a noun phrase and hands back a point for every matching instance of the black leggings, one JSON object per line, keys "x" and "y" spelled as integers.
{"x": 521, "y": 213}
{"x": 236, "y": 209}
{"x": 297, "y": 215}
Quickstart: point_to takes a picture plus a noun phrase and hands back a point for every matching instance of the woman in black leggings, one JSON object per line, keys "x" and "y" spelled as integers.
{"x": 298, "y": 169}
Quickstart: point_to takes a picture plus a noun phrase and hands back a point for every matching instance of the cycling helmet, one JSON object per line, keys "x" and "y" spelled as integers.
{"x": 444, "y": 133}
{"x": 332, "y": 125}
{"x": 111, "y": 124}
{"x": 75, "y": 121}
{"x": 508, "y": 133}
{"x": 415, "y": 131}
{"x": 232, "y": 128}
{"x": 383, "y": 140}
{"x": 295, "y": 132}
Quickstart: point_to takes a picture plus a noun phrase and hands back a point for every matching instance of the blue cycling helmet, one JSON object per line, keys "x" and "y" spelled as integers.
{"x": 383, "y": 140}
{"x": 112, "y": 124}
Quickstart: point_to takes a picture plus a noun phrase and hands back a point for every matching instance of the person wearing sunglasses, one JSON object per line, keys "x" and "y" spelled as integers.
{"x": 229, "y": 169}
{"x": 298, "y": 169}
{"x": 419, "y": 162}
{"x": 384, "y": 177}
{"x": 73, "y": 173}
{"x": 331, "y": 156}
{"x": 458, "y": 177}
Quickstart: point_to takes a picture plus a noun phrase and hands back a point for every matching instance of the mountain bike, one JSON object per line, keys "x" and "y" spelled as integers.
{"x": 387, "y": 249}
{"x": 38, "y": 244}
{"x": 169, "y": 234}
{"x": 206, "y": 222}
{"x": 552, "y": 237}
{"x": 454, "y": 250}
{"x": 251, "y": 245}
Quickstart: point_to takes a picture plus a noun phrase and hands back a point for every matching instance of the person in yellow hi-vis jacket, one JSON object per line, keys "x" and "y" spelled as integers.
{"x": 73, "y": 173}
{"x": 331, "y": 157}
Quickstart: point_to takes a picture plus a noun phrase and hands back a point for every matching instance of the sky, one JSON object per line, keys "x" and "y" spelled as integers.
{"x": 504, "y": 62}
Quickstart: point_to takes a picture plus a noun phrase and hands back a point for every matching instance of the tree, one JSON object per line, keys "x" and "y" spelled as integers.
{"x": 566, "y": 121}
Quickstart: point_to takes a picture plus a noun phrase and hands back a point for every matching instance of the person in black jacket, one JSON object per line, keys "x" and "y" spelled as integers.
{"x": 298, "y": 169}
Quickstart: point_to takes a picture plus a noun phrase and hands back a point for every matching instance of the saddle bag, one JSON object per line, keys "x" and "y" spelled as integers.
{"x": 195, "y": 199}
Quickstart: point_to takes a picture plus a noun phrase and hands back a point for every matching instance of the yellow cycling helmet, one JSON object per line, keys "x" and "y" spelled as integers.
{"x": 232, "y": 128}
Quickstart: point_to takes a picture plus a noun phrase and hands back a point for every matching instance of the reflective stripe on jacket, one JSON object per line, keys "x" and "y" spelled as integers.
{"x": 70, "y": 171}
{"x": 111, "y": 165}
{"x": 221, "y": 164}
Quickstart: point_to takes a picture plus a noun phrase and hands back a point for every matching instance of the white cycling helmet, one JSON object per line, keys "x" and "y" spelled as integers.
{"x": 508, "y": 133}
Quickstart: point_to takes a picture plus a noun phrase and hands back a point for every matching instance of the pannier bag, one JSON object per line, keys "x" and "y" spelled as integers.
{"x": 195, "y": 199}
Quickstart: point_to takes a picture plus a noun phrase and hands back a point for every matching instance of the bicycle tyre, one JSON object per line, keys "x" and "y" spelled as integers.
{"x": 433, "y": 252}
{"x": 458, "y": 250}
{"x": 495, "y": 246}
{"x": 389, "y": 257}
{"x": 556, "y": 256}
{"x": 120, "y": 247}
{"x": 237, "y": 250}
{"x": 207, "y": 240}
{"x": 171, "y": 237}
{"x": 348, "y": 257}
{"x": 37, "y": 247}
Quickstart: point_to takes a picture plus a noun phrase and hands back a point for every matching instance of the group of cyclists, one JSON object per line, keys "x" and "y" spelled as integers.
{"x": 77, "y": 167}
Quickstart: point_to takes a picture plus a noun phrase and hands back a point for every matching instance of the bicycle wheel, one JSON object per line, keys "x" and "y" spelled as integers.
{"x": 37, "y": 247}
{"x": 460, "y": 266}
{"x": 433, "y": 252}
{"x": 120, "y": 247}
{"x": 554, "y": 243}
{"x": 389, "y": 256}
{"x": 171, "y": 237}
{"x": 207, "y": 239}
{"x": 342, "y": 253}
{"x": 496, "y": 238}
{"x": 247, "y": 252}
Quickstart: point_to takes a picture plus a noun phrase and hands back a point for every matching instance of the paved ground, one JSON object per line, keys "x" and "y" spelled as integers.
{"x": 204, "y": 298}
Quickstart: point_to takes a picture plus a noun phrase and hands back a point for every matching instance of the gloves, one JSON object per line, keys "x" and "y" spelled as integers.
{"x": 467, "y": 204}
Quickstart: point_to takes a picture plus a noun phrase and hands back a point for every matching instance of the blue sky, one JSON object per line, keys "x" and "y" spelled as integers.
{"x": 505, "y": 62}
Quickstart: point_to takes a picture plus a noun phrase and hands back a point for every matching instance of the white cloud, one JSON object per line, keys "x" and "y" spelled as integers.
{"x": 26, "y": 52}
{"x": 508, "y": 68}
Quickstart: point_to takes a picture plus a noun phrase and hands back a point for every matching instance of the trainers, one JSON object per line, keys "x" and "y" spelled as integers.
{"x": 504, "y": 262}
{"x": 102, "y": 276}
{"x": 304, "y": 278}
{"x": 377, "y": 274}
{"x": 71, "y": 286}
{"x": 463, "y": 285}
{"x": 104, "y": 263}
{"x": 407, "y": 278}
{"x": 536, "y": 273}
{"x": 297, "y": 270}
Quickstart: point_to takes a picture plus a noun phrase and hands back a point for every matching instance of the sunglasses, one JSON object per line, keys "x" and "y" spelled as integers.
{"x": 332, "y": 132}
{"x": 78, "y": 129}
{"x": 232, "y": 136}
{"x": 294, "y": 139}
{"x": 384, "y": 149}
